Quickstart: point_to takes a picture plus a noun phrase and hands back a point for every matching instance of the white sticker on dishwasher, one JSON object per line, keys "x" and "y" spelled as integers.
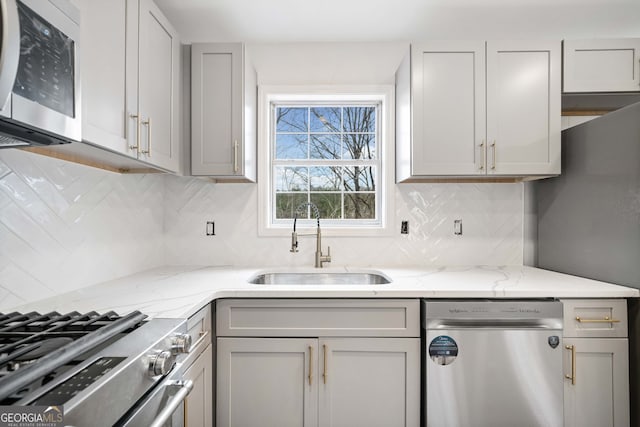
{"x": 443, "y": 350}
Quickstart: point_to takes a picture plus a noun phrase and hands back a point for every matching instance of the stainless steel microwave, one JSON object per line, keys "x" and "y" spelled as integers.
{"x": 39, "y": 73}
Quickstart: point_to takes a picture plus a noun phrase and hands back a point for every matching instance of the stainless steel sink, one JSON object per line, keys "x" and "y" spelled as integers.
{"x": 324, "y": 278}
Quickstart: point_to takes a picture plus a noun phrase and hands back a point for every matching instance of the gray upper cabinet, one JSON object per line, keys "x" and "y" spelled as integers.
{"x": 130, "y": 81}
{"x": 476, "y": 109}
{"x": 104, "y": 96}
{"x": 606, "y": 65}
{"x": 158, "y": 99}
{"x": 223, "y": 112}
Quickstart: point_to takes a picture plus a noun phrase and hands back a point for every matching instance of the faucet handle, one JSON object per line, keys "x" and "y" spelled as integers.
{"x": 294, "y": 242}
{"x": 327, "y": 257}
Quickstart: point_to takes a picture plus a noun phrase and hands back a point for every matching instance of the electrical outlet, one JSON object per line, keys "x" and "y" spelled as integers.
{"x": 211, "y": 228}
{"x": 404, "y": 227}
{"x": 457, "y": 227}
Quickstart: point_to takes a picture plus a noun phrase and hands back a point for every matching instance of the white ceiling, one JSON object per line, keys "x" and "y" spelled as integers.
{"x": 274, "y": 21}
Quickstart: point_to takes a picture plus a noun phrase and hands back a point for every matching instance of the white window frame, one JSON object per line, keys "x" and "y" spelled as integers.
{"x": 267, "y": 95}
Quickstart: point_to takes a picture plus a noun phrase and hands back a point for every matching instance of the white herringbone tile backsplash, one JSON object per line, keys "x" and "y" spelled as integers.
{"x": 492, "y": 216}
{"x": 65, "y": 226}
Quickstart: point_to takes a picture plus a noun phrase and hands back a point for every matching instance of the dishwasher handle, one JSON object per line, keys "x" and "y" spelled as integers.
{"x": 174, "y": 402}
{"x": 493, "y": 324}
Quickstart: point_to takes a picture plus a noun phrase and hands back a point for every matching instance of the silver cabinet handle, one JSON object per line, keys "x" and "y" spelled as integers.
{"x": 493, "y": 146}
{"x": 235, "y": 156}
{"x": 136, "y": 147}
{"x": 310, "y": 365}
{"x": 482, "y": 155}
{"x": 174, "y": 402}
{"x": 9, "y": 48}
{"x": 147, "y": 123}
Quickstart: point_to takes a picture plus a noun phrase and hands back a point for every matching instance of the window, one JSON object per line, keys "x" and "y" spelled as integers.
{"x": 328, "y": 150}
{"x": 325, "y": 155}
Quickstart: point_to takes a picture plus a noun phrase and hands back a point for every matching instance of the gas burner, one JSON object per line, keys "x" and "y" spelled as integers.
{"x": 35, "y": 347}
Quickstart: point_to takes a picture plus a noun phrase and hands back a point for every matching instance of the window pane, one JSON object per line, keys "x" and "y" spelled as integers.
{"x": 325, "y": 119}
{"x": 292, "y": 146}
{"x": 359, "y": 206}
{"x": 329, "y": 204}
{"x": 325, "y": 146}
{"x": 359, "y": 178}
{"x": 359, "y": 119}
{"x": 286, "y": 204}
{"x": 291, "y": 119}
{"x": 325, "y": 178}
{"x": 360, "y": 146}
{"x": 292, "y": 179}
{"x": 327, "y": 155}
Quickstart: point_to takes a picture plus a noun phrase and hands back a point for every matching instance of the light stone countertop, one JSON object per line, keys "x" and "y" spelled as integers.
{"x": 182, "y": 290}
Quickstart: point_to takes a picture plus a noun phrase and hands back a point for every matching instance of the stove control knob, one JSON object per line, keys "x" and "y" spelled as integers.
{"x": 161, "y": 362}
{"x": 180, "y": 343}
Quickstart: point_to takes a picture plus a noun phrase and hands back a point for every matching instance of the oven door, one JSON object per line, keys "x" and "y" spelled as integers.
{"x": 46, "y": 89}
{"x": 164, "y": 406}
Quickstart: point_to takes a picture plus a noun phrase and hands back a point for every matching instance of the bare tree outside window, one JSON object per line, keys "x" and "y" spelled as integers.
{"x": 326, "y": 155}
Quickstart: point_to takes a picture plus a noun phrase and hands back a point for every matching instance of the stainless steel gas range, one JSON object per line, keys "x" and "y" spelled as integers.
{"x": 102, "y": 369}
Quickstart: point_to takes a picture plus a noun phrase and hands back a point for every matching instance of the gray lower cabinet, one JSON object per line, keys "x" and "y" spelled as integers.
{"x": 317, "y": 380}
{"x": 198, "y": 409}
{"x": 596, "y": 363}
{"x": 599, "y": 396}
{"x": 266, "y": 382}
{"x": 198, "y": 405}
{"x": 369, "y": 382}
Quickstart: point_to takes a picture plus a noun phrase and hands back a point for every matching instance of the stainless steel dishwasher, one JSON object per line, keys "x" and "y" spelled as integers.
{"x": 493, "y": 363}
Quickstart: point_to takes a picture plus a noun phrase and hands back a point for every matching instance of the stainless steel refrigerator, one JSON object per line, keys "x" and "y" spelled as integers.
{"x": 588, "y": 218}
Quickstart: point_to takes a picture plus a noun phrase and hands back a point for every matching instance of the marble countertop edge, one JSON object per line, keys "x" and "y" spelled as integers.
{"x": 180, "y": 291}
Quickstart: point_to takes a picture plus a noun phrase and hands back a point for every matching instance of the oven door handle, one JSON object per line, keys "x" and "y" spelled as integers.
{"x": 174, "y": 402}
{"x": 9, "y": 48}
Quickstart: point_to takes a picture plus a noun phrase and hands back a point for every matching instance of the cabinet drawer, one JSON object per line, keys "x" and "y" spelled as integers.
{"x": 604, "y": 318}
{"x": 305, "y": 318}
{"x": 199, "y": 327}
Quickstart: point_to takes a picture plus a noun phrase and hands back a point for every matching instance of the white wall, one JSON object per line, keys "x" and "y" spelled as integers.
{"x": 326, "y": 63}
{"x": 374, "y": 20}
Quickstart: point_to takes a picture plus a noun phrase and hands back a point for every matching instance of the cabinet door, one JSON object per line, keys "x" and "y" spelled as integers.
{"x": 523, "y": 108}
{"x": 600, "y": 395}
{"x": 609, "y": 65}
{"x": 198, "y": 406}
{"x": 104, "y": 47}
{"x": 267, "y": 382}
{"x": 159, "y": 56}
{"x": 216, "y": 109}
{"x": 448, "y": 87}
{"x": 369, "y": 382}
